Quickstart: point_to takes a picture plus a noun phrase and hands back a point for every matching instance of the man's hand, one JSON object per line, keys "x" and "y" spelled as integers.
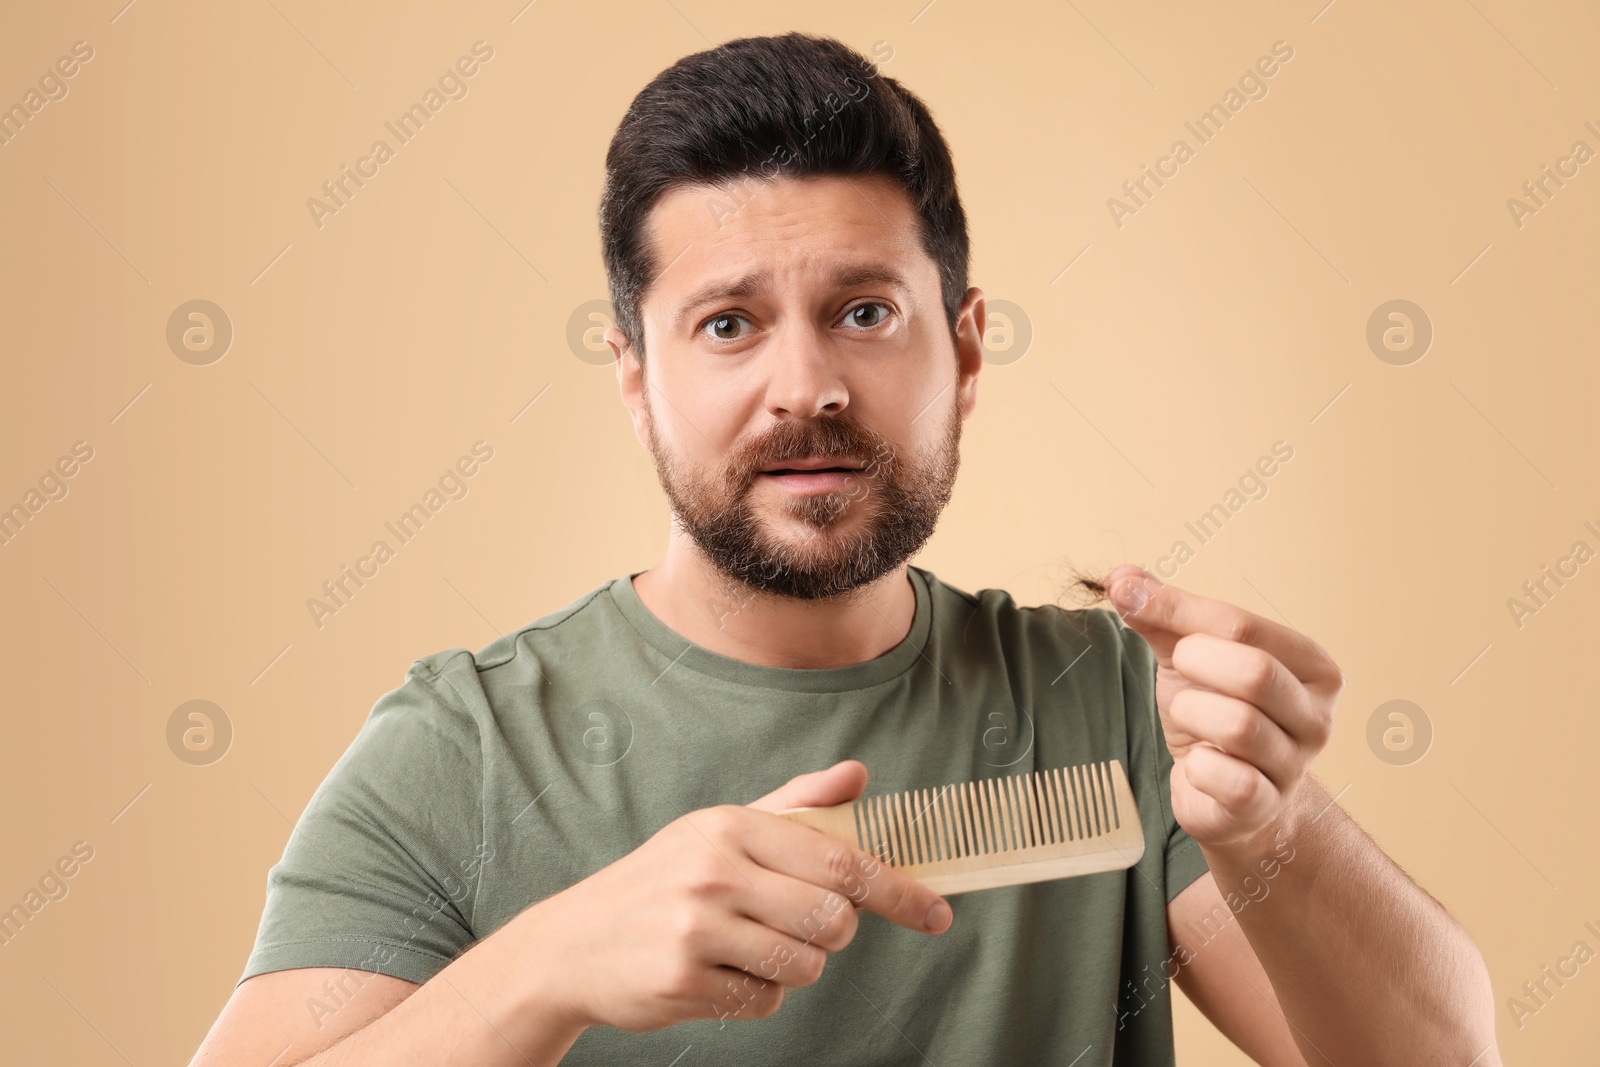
{"x": 1365, "y": 966}
{"x": 720, "y": 912}
{"x": 1246, "y": 704}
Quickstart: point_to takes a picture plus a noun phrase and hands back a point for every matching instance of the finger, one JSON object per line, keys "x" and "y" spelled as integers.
{"x": 799, "y": 851}
{"x": 819, "y": 789}
{"x": 757, "y": 949}
{"x": 1147, "y": 604}
{"x": 1238, "y": 728}
{"x": 730, "y": 994}
{"x": 798, "y": 909}
{"x": 1256, "y": 678}
{"x": 1243, "y": 793}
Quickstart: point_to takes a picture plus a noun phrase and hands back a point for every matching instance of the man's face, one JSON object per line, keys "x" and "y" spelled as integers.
{"x": 798, "y": 324}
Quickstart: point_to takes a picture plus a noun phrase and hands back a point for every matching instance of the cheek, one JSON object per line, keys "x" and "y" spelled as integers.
{"x": 693, "y": 440}
{"x": 938, "y": 429}
{"x": 711, "y": 420}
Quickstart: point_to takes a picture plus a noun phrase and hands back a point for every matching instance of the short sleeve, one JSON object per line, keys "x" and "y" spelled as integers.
{"x": 1184, "y": 860}
{"x": 381, "y": 871}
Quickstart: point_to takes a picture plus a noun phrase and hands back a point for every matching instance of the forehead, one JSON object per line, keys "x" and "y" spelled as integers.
{"x": 788, "y": 227}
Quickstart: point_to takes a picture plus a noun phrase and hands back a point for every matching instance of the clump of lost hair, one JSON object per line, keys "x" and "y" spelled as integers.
{"x": 756, "y": 109}
{"x": 1089, "y": 588}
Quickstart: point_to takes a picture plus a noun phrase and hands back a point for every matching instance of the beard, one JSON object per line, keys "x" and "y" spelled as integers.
{"x": 849, "y": 538}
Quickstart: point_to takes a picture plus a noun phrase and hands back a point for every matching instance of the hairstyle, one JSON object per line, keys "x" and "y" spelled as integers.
{"x": 760, "y": 108}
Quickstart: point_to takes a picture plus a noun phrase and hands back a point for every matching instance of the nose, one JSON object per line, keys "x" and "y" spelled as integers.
{"x": 803, "y": 379}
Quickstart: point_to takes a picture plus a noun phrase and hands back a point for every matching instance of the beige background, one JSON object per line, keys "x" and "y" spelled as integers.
{"x": 1229, "y": 313}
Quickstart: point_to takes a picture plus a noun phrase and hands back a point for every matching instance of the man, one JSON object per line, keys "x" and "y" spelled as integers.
{"x": 565, "y": 849}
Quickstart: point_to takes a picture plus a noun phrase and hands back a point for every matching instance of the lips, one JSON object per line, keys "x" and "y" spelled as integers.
{"x": 812, "y": 465}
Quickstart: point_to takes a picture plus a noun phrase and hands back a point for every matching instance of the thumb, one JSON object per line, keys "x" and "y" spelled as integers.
{"x": 819, "y": 789}
{"x": 1131, "y": 588}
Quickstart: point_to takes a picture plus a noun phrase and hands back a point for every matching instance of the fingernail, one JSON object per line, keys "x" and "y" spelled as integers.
{"x": 938, "y": 917}
{"x": 1129, "y": 595}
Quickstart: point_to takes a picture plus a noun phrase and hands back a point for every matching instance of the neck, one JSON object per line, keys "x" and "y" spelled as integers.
{"x": 704, "y": 606}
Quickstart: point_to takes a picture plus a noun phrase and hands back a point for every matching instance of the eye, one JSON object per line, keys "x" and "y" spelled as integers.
{"x": 719, "y": 326}
{"x": 854, "y": 315}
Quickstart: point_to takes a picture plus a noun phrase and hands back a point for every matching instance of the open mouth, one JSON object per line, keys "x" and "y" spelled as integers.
{"x": 812, "y": 475}
{"x": 813, "y": 465}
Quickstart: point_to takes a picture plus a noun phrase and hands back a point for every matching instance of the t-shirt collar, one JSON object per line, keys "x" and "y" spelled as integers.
{"x": 685, "y": 654}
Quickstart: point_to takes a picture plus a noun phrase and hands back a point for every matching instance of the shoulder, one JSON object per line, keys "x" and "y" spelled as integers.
{"x": 458, "y": 692}
{"x": 453, "y": 666}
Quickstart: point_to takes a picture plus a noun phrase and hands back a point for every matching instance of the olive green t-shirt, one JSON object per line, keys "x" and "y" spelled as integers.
{"x": 488, "y": 782}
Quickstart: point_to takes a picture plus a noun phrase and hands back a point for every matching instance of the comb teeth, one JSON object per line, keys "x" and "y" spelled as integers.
{"x": 989, "y": 817}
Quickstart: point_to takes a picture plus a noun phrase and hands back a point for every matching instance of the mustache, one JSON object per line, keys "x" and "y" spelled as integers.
{"x": 833, "y": 438}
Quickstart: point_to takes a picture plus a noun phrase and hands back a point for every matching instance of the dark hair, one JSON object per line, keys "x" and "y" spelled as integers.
{"x": 1090, "y": 586}
{"x": 758, "y": 108}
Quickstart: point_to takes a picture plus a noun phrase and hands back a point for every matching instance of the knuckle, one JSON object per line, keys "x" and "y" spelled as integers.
{"x": 840, "y": 864}
{"x": 818, "y": 924}
{"x": 1239, "y": 788}
{"x": 1242, "y": 628}
{"x": 808, "y": 965}
{"x": 707, "y": 883}
{"x": 687, "y": 931}
{"x": 1242, "y": 727}
{"x": 680, "y": 979}
{"x": 755, "y": 997}
{"x": 1336, "y": 681}
{"x": 903, "y": 897}
{"x": 720, "y": 821}
{"x": 769, "y": 1000}
{"x": 849, "y": 923}
{"x": 1259, "y": 675}
{"x": 841, "y": 926}
{"x": 1322, "y": 726}
{"x": 837, "y": 927}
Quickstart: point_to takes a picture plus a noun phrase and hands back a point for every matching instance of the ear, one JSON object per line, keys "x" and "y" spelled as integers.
{"x": 970, "y": 323}
{"x": 630, "y": 382}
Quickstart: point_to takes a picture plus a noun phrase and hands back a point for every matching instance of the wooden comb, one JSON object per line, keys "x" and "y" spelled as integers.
{"x": 995, "y": 832}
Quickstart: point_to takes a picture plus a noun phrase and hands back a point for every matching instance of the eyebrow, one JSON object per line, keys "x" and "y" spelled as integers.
{"x": 847, "y": 277}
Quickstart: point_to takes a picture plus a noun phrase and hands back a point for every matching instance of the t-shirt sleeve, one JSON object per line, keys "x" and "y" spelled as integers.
{"x": 1185, "y": 862}
{"x": 381, "y": 871}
